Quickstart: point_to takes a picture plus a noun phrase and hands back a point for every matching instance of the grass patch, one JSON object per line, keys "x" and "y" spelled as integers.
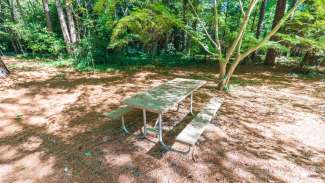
{"x": 236, "y": 80}
{"x": 307, "y": 75}
{"x": 138, "y": 63}
{"x": 60, "y": 62}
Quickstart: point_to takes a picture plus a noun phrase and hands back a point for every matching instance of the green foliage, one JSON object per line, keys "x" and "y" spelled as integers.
{"x": 143, "y": 25}
{"x": 110, "y": 29}
{"x": 41, "y": 41}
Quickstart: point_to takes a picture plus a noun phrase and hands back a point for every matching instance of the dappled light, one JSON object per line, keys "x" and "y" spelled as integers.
{"x": 53, "y": 129}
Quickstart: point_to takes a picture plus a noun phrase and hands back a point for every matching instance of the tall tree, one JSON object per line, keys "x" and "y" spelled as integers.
{"x": 260, "y": 23}
{"x": 13, "y": 11}
{"x": 279, "y": 13}
{"x": 185, "y": 36}
{"x": 63, "y": 24}
{"x": 47, "y": 15}
{"x": 233, "y": 52}
{"x": 71, "y": 24}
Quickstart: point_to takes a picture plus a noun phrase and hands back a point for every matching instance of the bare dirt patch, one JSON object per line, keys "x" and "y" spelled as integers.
{"x": 271, "y": 128}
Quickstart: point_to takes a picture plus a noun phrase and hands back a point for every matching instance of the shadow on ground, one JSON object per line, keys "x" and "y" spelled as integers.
{"x": 53, "y": 128}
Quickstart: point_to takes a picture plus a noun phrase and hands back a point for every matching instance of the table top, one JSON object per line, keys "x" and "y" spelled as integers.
{"x": 162, "y": 98}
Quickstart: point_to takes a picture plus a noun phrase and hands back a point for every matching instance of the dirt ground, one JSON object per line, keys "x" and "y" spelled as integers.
{"x": 270, "y": 128}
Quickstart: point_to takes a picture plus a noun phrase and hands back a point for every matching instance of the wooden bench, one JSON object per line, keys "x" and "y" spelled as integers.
{"x": 119, "y": 114}
{"x": 191, "y": 133}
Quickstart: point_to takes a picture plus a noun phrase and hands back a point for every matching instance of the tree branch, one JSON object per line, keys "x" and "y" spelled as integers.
{"x": 217, "y": 26}
{"x": 273, "y": 31}
{"x": 204, "y": 28}
{"x": 241, "y": 7}
{"x": 241, "y": 30}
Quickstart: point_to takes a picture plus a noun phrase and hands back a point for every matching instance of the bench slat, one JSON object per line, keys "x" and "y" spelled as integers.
{"x": 191, "y": 133}
{"x": 117, "y": 113}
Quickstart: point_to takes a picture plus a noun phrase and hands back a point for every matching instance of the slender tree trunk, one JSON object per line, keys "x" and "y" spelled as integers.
{"x": 185, "y": 37}
{"x": 292, "y": 3}
{"x": 15, "y": 37}
{"x": 260, "y": 23}
{"x": 4, "y": 71}
{"x": 20, "y": 10}
{"x": 279, "y": 13}
{"x": 72, "y": 27}
{"x": 47, "y": 15}
{"x": 63, "y": 24}
{"x": 254, "y": 20}
{"x": 13, "y": 12}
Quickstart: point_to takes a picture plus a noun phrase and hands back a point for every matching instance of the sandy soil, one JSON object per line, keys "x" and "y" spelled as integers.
{"x": 271, "y": 128}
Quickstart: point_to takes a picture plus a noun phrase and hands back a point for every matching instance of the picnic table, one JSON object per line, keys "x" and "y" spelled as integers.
{"x": 163, "y": 98}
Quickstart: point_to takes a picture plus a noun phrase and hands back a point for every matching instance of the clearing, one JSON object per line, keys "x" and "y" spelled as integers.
{"x": 270, "y": 128}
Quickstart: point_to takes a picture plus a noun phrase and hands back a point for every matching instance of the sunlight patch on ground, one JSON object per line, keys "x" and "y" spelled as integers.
{"x": 278, "y": 169}
{"x": 30, "y": 168}
{"x": 308, "y": 130}
{"x": 269, "y": 130}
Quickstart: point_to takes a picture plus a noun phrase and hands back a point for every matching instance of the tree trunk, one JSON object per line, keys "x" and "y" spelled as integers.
{"x": 72, "y": 27}
{"x": 185, "y": 37}
{"x": 4, "y": 71}
{"x": 279, "y": 13}
{"x": 63, "y": 24}
{"x": 308, "y": 58}
{"x": 292, "y": 3}
{"x": 47, "y": 15}
{"x": 13, "y": 12}
{"x": 260, "y": 24}
{"x": 254, "y": 20}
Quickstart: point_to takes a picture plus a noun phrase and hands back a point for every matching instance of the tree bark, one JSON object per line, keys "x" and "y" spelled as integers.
{"x": 292, "y": 3}
{"x": 13, "y": 12}
{"x": 279, "y": 13}
{"x": 63, "y": 24}
{"x": 308, "y": 58}
{"x": 47, "y": 15}
{"x": 72, "y": 27}
{"x": 260, "y": 24}
{"x": 4, "y": 71}
{"x": 185, "y": 37}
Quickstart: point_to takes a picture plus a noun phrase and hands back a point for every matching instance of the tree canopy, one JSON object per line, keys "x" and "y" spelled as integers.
{"x": 90, "y": 31}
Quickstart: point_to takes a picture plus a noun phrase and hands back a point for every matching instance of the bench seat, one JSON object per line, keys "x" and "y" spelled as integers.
{"x": 118, "y": 113}
{"x": 191, "y": 133}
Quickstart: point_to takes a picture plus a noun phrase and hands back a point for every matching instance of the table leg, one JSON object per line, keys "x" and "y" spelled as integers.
{"x": 191, "y": 104}
{"x": 144, "y": 122}
{"x": 161, "y": 135}
{"x": 156, "y": 123}
{"x": 123, "y": 125}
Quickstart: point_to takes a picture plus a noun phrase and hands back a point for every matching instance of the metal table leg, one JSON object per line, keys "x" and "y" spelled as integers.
{"x": 161, "y": 135}
{"x": 144, "y": 122}
{"x": 191, "y": 103}
{"x": 123, "y": 125}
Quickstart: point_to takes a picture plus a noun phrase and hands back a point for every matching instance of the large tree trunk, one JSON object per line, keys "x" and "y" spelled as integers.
{"x": 47, "y": 15}
{"x": 63, "y": 24}
{"x": 4, "y": 71}
{"x": 72, "y": 27}
{"x": 279, "y": 13}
